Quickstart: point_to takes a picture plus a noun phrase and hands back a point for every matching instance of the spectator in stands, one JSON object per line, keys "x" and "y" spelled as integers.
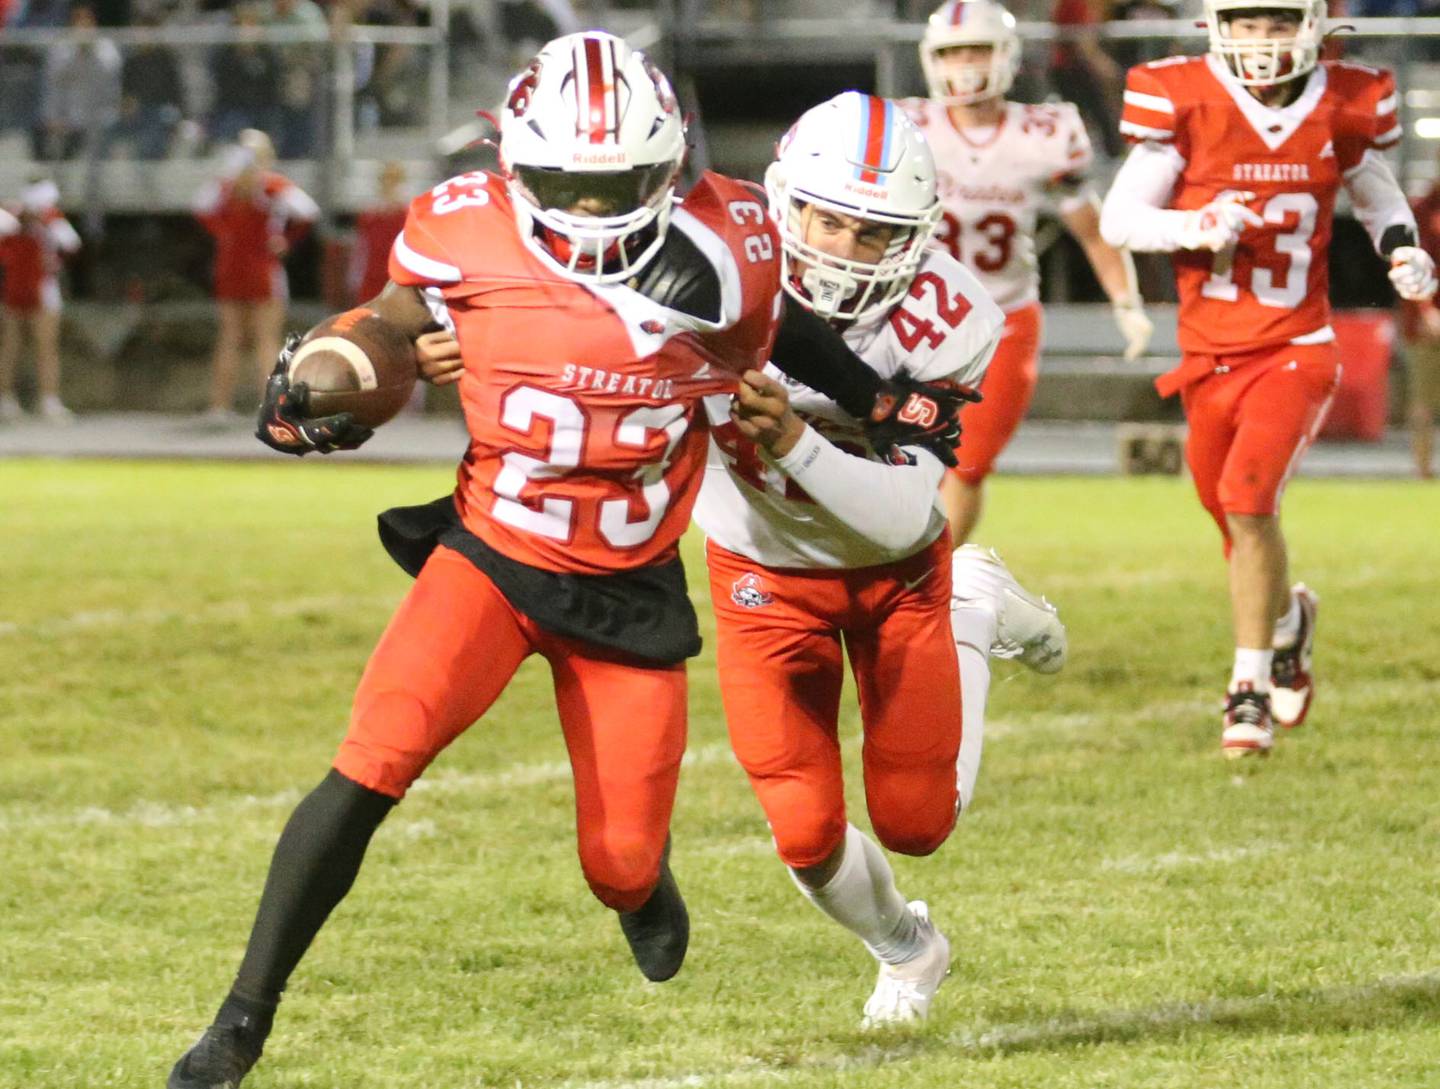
{"x": 526, "y": 24}
{"x": 247, "y": 75}
{"x": 41, "y": 14}
{"x": 375, "y": 231}
{"x": 1129, "y": 52}
{"x": 1420, "y": 328}
{"x": 1082, "y": 72}
{"x": 300, "y": 116}
{"x": 33, "y": 243}
{"x": 255, "y": 216}
{"x": 79, "y": 90}
{"x": 151, "y": 95}
{"x": 391, "y": 93}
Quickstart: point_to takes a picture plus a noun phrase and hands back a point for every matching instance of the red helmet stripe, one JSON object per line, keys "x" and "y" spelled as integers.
{"x": 592, "y": 118}
{"x": 876, "y": 131}
{"x": 957, "y": 14}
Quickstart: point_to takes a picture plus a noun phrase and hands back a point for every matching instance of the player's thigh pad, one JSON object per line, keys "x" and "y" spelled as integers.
{"x": 1209, "y": 406}
{"x": 625, "y": 731}
{"x": 1279, "y": 412}
{"x": 449, "y": 650}
{"x": 1008, "y": 386}
{"x": 908, "y": 678}
{"x": 781, "y": 671}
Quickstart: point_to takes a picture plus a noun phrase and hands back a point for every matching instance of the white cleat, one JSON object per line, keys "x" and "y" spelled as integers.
{"x": 1247, "y": 728}
{"x": 1292, "y": 681}
{"x": 1028, "y": 628}
{"x": 52, "y": 410}
{"x": 903, "y": 992}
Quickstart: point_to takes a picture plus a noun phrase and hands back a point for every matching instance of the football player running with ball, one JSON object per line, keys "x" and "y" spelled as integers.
{"x": 999, "y": 164}
{"x": 593, "y": 314}
{"x": 815, "y": 541}
{"x": 1238, "y": 157}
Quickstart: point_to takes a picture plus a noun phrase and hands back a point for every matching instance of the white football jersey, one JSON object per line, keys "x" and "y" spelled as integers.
{"x": 946, "y": 328}
{"x": 993, "y": 188}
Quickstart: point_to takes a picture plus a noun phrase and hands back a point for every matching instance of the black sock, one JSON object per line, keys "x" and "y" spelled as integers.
{"x": 314, "y": 865}
{"x": 255, "y": 1017}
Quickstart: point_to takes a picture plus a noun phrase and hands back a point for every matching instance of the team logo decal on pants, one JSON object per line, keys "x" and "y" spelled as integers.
{"x": 747, "y": 592}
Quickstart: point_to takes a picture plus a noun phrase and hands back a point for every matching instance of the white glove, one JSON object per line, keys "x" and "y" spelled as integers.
{"x": 1218, "y": 225}
{"x": 1412, "y": 271}
{"x": 1134, "y": 326}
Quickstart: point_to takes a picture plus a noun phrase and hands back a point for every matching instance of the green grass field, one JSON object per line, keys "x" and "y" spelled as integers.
{"x": 178, "y": 646}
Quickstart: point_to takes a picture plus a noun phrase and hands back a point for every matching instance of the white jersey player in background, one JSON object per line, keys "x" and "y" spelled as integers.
{"x": 999, "y": 164}
{"x": 814, "y": 542}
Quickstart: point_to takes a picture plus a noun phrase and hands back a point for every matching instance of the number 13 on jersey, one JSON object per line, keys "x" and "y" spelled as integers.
{"x": 1278, "y": 281}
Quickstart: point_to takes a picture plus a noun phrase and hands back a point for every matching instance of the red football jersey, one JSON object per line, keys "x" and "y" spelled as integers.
{"x": 375, "y": 232}
{"x": 587, "y": 443}
{"x": 31, "y": 258}
{"x": 251, "y": 233}
{"x": 1273, "y": 286}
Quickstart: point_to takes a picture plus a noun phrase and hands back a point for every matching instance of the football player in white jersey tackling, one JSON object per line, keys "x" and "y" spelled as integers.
{"x": 999, "y": 163}
{"x": 814, "y": 541}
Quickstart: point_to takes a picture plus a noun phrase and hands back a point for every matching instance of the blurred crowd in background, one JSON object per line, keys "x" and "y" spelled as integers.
{"x": 128, "y": 109}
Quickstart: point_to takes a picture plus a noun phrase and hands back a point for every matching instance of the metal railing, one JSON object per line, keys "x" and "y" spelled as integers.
{"x": 1408, "y": 46}
{"x": 342, "y": 95}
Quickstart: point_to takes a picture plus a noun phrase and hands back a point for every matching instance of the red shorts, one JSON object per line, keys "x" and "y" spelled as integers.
{"x": 1008, "y": 386}
{"x": 451, "y": 648}
{"x": 1251, "y": 419}
{"x": 25, "y": 300}
{"x": 779, "y": 636}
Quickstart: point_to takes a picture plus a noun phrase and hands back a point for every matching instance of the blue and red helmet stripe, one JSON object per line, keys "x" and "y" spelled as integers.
{"x": 877, "y": 123}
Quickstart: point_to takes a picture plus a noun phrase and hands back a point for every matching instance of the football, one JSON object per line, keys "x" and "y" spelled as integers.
{"x": 356, "y": 362}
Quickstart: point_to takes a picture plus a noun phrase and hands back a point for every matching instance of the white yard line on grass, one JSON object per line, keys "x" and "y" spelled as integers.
{"x": 204, "y": 614}
{"x": 1175, "y": 860}
{"x": 1059, "y": 1033}
{"x": 148, "y": 814}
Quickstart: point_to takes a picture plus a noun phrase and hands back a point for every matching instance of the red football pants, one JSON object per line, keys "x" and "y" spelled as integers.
{"x": 1008, "y": 386}
{"x": 449, "y": 651}
{"x": 779, "y": 653}
{"x": 1251, "y": 420}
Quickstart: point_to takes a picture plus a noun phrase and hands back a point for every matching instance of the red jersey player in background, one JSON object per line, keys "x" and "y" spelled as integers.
{"x": 1239, "y": 156}
{"x": 376, "y": 228}
{"x": 593, "y": 314}
{"x": 1000, "y": 164}
{"x": 255, "y": 216}
{"x": 34, "y": 241}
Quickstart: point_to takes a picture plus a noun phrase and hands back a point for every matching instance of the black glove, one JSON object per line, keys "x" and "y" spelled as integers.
{"x": 909, "y": 412}
{"x": 282, "y": 423}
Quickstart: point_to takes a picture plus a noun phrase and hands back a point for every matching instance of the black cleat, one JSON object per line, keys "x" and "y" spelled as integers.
{"x": 659, "y": 930}
{"x": 223, "y": 1056}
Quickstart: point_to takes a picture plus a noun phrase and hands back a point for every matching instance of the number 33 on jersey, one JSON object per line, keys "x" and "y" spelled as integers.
{"x": 1273, "y": 286}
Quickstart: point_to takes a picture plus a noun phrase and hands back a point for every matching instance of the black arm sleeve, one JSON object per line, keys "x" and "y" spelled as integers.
{"x": 808, "y": 349}
{"x": 1395, "y": 236}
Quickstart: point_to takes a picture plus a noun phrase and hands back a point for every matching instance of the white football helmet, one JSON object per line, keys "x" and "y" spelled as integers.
{"x": 859, "y": 156}
{"x": 953, "y": 82}
{"x": 591, "y": 142}
{"x": 1263, "y": 62}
